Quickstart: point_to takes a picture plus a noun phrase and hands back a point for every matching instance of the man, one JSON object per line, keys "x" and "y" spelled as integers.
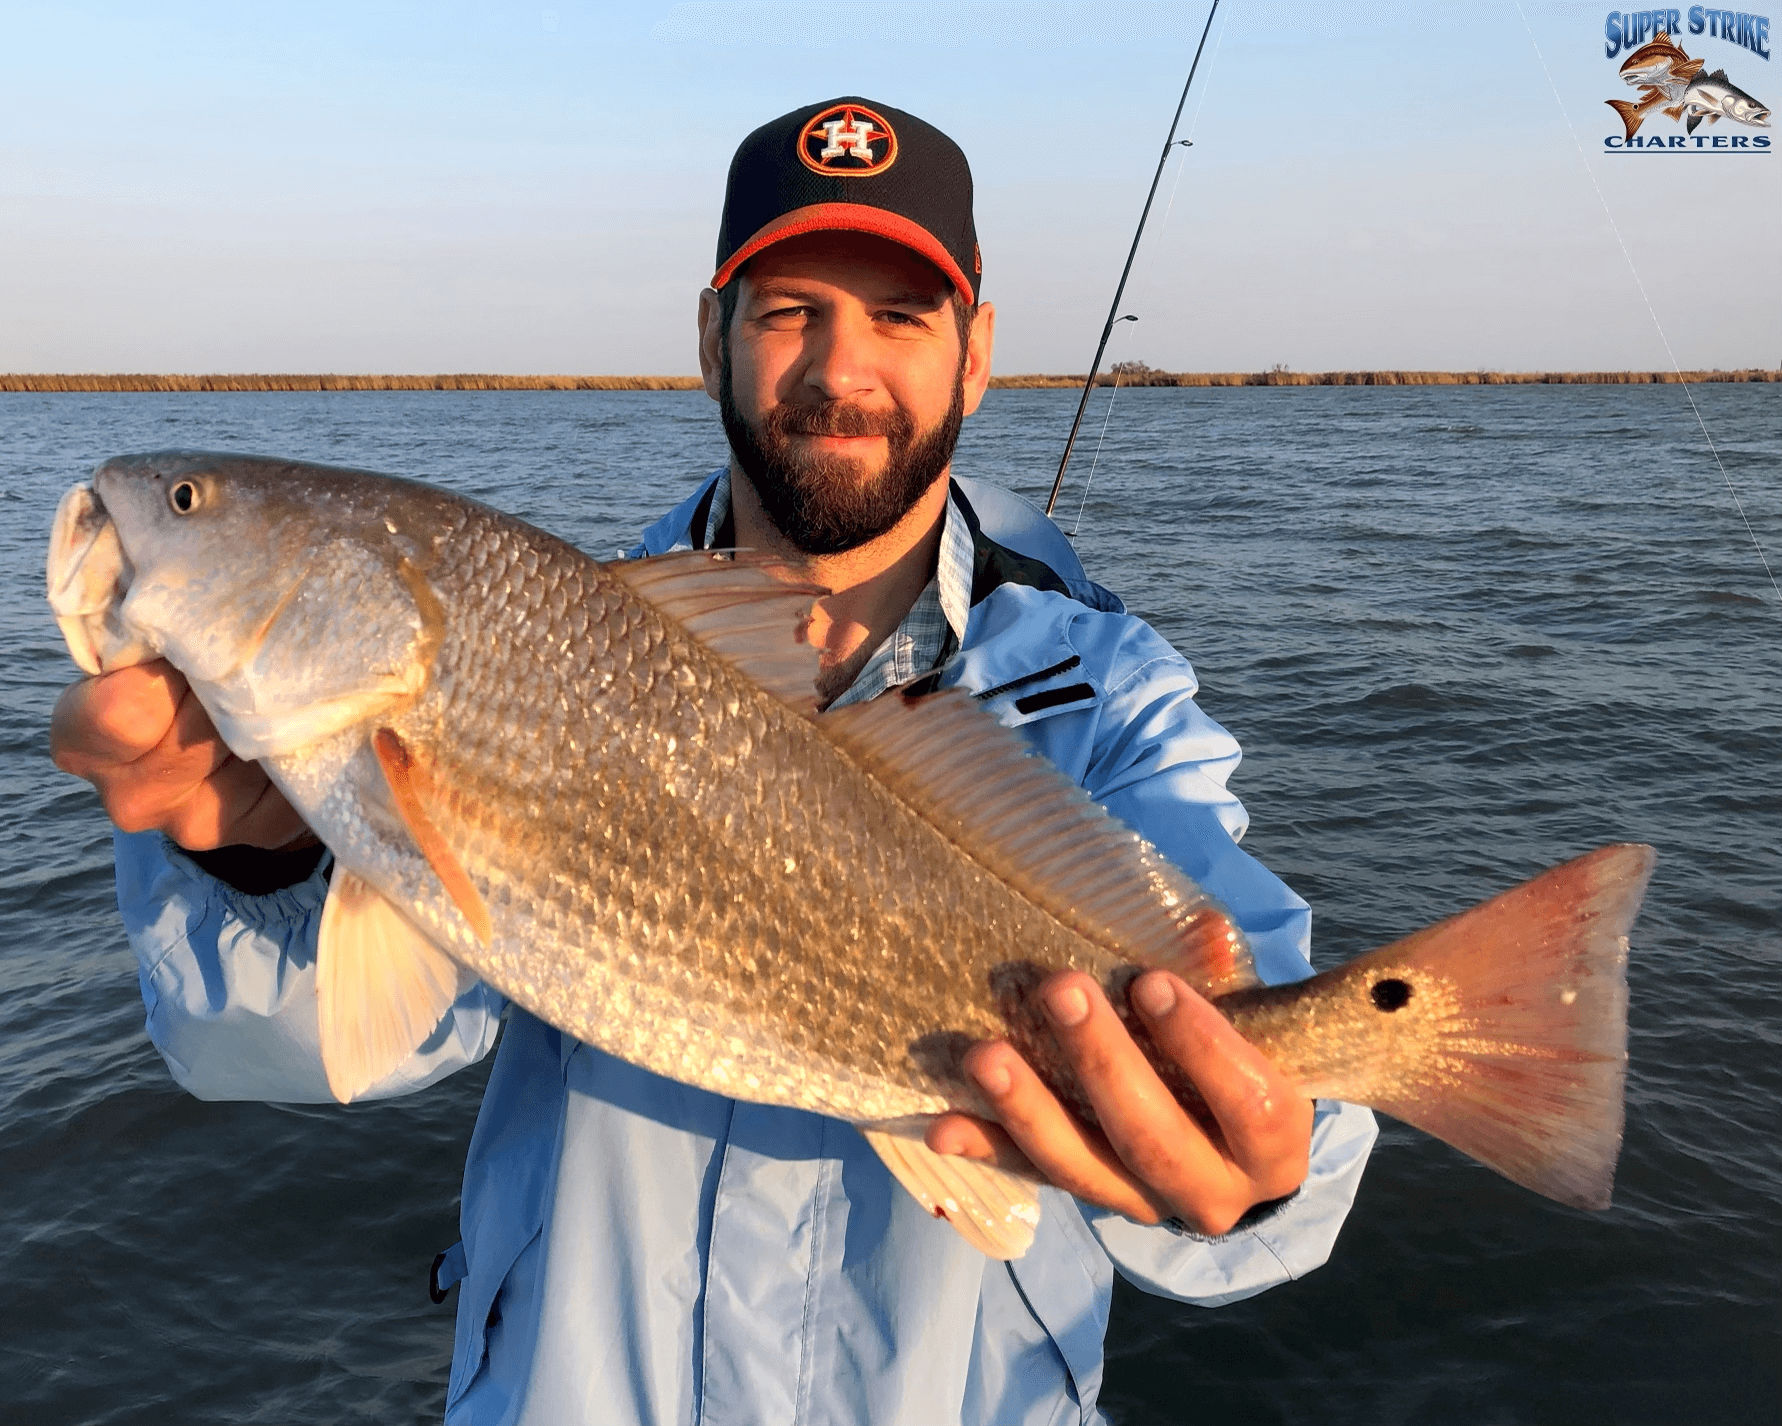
{"x": 637, "y": 1250}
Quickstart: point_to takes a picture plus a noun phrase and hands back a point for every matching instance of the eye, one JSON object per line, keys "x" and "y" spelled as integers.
{"x": 183, "y": 497}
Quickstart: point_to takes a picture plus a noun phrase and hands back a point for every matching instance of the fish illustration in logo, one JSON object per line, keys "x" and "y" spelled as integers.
{"x": 1661, "y": 71}
{"x": 1714, "y": 96}
{"x": 1670, "y": 81}
{"x": 1660, "y": 64}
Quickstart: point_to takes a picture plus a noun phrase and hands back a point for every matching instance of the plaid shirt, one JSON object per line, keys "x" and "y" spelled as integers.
{"x": 916, "y": 645}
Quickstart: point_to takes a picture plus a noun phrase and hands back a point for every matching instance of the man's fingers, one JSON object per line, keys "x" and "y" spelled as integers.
{"x": 1154, "y": 1138}
{"x": 262, "y": 816}
{"x": 1067, "y": 1152}
{"x": 235, "y": 806}
{"x": 167, "y": 788}
{"x": 115, "y": 717}
{"x": 1146, "y": 1157}
{"x": 1266, "y": 1123}
{"x": 981, "y": 1139}
{"x": 143, "y": 739}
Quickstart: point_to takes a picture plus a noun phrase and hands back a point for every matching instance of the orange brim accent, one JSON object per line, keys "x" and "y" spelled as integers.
{"x": 849, "y": 218}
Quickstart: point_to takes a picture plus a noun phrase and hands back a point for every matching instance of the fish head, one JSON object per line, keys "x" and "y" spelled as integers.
{"x": 1657, "y": 55}
{"x": 1742, "y": 107}
{"x": 1717, "y": 95}
{"x": 287, "y": 594}
{"x": 1657, "y": 73}
{"x": 88, "y": 576}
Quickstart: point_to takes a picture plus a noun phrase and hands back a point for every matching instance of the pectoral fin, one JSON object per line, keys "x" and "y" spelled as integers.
{"x": 381, "y": 986}
{"x": 992, "y": 1209}
{"x": 411, "y": 788}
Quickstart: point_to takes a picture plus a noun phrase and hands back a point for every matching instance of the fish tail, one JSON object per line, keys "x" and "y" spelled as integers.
{"x": 1501, "y": 1031}
{"x": 1632, "y": 115}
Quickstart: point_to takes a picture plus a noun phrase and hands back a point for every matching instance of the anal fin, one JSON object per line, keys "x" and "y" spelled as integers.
{"x": 381, "y": 986}
{"x": 992, "y": 1209}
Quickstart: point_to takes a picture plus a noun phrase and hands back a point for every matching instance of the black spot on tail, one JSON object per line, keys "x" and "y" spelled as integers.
{"x": 1391, "y": 995}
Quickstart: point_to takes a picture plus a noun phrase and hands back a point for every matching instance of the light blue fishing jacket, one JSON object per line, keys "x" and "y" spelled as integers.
{"x": 638, "y": 1251}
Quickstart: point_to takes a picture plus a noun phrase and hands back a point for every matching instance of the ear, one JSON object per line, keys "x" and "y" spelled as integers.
{"x": 976, "y": 377}
{"x": 711, "y": 341}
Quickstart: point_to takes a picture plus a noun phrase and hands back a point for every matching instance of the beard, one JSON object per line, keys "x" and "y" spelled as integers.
{"x": 824, "y": 504}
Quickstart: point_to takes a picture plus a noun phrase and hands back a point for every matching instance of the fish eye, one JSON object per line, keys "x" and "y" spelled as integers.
{"x": 1389, "y": 995}
{"x": 183, "y": 497}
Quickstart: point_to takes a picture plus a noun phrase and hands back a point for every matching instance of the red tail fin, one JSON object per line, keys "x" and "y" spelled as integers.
{"x": 1501, "y": 1031}
{"x": 1632, "y": 115}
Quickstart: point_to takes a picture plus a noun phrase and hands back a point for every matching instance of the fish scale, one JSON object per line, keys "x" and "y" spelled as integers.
{"x": 797, "y": 886}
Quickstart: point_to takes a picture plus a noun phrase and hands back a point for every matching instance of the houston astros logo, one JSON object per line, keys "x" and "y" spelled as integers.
{"x": 848, "y": 139}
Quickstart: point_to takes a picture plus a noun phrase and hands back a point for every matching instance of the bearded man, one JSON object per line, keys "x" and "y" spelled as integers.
{"x": 637, "y": 1250}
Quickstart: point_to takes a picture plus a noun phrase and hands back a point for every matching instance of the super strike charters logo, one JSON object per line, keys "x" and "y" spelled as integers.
{"x": 1669, "y": 83}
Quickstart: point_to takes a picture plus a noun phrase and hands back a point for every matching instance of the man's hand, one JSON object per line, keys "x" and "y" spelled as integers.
{"x": 1148, "y": 1160}
{"x": 141, "y": 737}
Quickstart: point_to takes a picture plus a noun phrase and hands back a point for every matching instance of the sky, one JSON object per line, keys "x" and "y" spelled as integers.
{"x": 397, "y": 187}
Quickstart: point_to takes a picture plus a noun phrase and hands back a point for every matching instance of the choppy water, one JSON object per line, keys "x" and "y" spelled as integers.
{"x": 1462, "y": 634}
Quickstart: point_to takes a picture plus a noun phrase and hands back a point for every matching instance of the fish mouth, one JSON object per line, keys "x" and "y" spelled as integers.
{"x": 88, "y": 576}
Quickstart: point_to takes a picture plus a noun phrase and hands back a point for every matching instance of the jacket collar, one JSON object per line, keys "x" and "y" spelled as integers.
{"x": 1035, "y": 554}
{"x": 1027, "y": 589}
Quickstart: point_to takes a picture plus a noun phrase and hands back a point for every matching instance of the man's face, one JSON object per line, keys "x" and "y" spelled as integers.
{"x": 843, "y": 383}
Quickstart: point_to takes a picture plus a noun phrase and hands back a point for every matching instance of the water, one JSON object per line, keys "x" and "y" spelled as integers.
{"x": 1462, "y": 633}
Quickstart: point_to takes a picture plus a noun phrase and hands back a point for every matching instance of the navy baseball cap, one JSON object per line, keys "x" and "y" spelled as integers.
{"x": 851, "y": 165}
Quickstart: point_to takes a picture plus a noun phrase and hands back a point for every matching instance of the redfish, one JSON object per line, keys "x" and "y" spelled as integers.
{"x": 605, "y": 790}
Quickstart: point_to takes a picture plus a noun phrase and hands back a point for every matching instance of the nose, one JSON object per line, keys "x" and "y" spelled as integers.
{"x": 839, "y": 357}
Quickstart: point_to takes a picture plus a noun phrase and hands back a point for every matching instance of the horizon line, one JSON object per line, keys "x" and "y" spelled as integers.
{"x": 1136, "y": 374}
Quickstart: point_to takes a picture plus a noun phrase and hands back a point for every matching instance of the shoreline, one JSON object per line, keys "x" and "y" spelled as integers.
{"x": 101, "y": 382}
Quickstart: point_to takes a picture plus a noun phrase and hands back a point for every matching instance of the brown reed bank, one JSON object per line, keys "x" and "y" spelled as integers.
{"x": 1132, "y": 374}
{"x": 1149, "y": 376}
{"x": 286, "y": 381}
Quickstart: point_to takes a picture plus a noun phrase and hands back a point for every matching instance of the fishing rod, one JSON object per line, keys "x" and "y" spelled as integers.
{"x": 1114, "y": 307}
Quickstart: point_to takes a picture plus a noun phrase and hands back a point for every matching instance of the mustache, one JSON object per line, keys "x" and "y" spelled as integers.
{"x": 838, "y": 418}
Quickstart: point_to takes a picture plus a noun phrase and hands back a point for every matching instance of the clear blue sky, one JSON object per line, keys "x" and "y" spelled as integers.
{"x": 527, "y": 188}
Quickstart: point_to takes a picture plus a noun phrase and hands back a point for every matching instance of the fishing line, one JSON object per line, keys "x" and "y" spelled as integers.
{"x": 1096, "y": 459}
{"x": 1651, "y": 311}
{"x": 1162, "y": 228}
{"x": 1107, "y": 329}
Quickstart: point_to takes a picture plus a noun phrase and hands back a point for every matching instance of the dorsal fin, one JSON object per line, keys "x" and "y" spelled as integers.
{"x": 1719, "y": 74}
{"x": 750, "y": 609}
{"x": 982, "y": 787}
